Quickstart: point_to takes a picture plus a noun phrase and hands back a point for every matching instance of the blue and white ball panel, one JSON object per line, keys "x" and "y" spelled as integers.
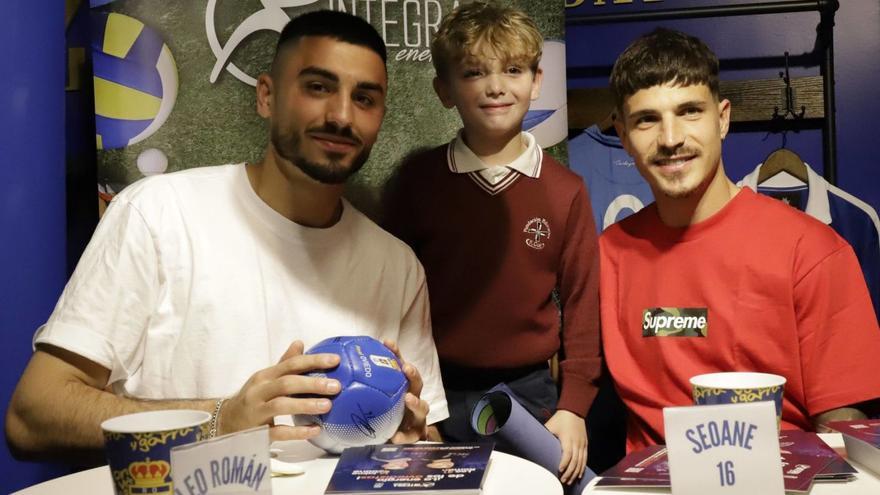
{"x": 341, "y": 373}
{"x": 135, "y": 80}
{"x": 375, "y": 365}
{"x": 547, "y": 118}
{"x": 371, "y": 405}
{"x": 358, "y": 429}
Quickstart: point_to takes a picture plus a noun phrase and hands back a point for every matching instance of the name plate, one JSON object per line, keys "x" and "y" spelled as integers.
{"x": 727, "y": 449}
{"x": 233, "y": 464}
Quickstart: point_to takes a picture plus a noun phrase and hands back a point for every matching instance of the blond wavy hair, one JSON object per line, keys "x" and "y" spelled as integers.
{"x": 484, "y": 28}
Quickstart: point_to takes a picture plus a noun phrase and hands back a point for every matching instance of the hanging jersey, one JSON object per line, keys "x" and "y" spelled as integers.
{"x": 852, "y": 218}
{"x": 613, "y": 181}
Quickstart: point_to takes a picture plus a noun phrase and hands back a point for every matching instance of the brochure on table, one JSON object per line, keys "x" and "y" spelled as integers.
{"x": 805, "y": 459}
{"x": 862, "y": 440}
{"x": 458, "y": 468}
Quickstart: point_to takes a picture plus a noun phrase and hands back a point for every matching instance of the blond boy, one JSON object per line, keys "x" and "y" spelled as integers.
{"x": 500, "y": 227}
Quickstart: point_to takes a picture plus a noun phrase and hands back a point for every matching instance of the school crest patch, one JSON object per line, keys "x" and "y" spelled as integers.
{"x": 537, "y": 232}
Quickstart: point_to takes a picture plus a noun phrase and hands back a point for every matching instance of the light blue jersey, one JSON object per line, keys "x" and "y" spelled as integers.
{"x": 613, "y": 181}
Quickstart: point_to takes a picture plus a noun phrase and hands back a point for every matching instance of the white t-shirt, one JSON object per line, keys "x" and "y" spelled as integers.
{"x": 191, "y": 283}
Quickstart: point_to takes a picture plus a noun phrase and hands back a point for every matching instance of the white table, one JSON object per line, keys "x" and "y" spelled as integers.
{"x": 507, "y": 475}
{"x": 866, "y": 482}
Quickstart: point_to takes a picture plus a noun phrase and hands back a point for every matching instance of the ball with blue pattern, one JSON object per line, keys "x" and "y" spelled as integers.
{"x": 370, "y": 406}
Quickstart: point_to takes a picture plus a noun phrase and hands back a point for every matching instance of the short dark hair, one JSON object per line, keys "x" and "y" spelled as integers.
{"x": 663, "y": 56}
{"x": 341, "y": 26}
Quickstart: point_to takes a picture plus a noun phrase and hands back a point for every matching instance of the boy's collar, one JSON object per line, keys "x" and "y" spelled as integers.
{"x": 462, "y": 160}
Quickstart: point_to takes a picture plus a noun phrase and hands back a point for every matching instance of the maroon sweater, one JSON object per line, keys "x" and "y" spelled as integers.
{"x": 492, "y": 263}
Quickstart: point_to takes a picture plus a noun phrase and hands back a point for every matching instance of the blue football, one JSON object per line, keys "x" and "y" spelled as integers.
{"x": 370, "y": 406}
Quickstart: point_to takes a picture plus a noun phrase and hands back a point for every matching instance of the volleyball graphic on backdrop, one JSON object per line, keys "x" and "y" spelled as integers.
{"x": 547, "y": 118}
{"x": 370, "y": 406}
{"x": 135, "y": 80}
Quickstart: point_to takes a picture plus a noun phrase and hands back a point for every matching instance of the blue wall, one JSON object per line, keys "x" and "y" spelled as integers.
{"x": 746, "y": 47}
{"x": 32, "y": 193}
{"x": 32, "y": 99}
{"x": 857, "y": 45}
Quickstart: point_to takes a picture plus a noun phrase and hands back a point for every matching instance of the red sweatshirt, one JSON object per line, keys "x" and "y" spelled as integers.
{"x": 493, "y": 261}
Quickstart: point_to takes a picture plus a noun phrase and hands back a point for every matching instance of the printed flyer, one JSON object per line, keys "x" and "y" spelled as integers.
{"x": 419, "y": 468}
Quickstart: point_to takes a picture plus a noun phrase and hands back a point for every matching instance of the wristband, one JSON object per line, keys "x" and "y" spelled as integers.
{"x": 215, "y": 418}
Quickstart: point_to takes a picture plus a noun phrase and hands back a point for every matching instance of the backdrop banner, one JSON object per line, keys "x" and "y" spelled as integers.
{"x": 174, "y": 83}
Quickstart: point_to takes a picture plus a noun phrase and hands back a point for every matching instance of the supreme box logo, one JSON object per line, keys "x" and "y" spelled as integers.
{"x": 675, "y": 322}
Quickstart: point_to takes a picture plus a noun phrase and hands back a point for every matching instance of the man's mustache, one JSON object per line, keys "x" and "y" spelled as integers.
{"x": 334, "y": 129}
{"x": 665, "y": 154}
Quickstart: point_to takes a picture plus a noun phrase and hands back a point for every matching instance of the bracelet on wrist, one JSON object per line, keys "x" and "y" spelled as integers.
{"x": 215, "y": 418}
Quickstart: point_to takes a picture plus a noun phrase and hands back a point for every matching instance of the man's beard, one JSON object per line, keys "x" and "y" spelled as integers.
{"x": 674, "y": 189}
{"x": 331, "y": 172}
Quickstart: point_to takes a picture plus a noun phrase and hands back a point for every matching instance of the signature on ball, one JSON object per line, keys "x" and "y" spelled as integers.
{"x": 362, "y": 422}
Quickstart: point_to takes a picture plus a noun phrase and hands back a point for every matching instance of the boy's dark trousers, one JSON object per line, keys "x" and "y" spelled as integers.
{"x": 532, "y": 385}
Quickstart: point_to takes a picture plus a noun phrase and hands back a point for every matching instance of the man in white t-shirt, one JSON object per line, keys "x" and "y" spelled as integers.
{"x": 200, "y": 289}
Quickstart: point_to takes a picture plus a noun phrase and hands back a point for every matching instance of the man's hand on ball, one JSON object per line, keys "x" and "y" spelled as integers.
{"x": 413, "y": 427}
{"x": 274, "y": 391}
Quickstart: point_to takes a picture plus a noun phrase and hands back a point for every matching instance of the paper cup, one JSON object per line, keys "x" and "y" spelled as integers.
{"x": 739, "y": 387}
{"x": 138, "y": 447}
